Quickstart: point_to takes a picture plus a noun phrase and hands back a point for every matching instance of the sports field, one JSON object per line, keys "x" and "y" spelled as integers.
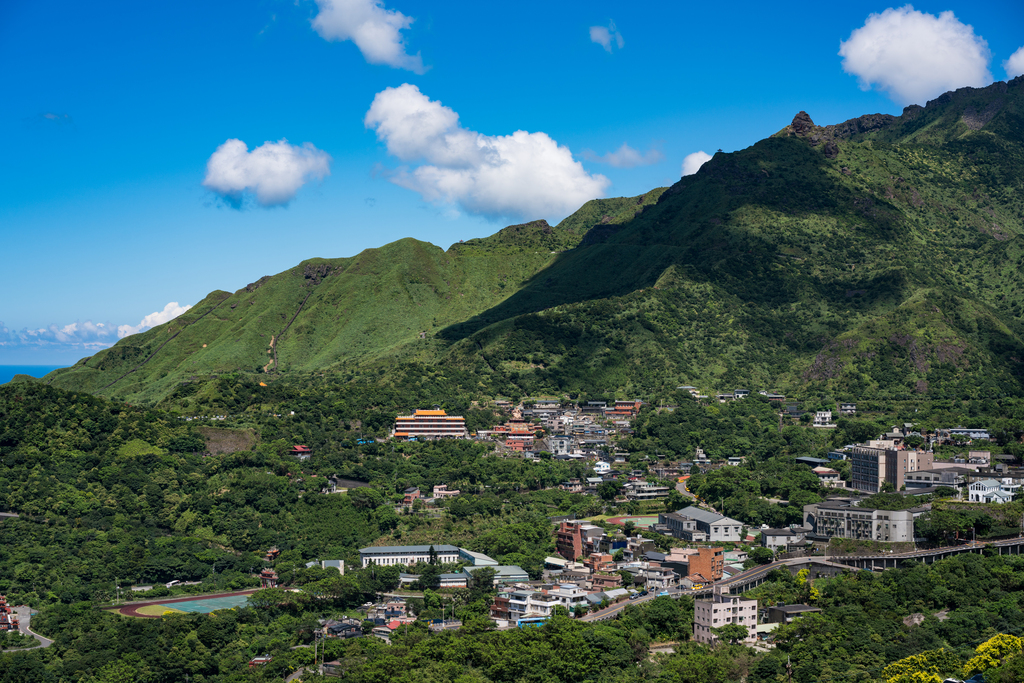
{"x": 639, "y": 520}
{"x": 208, "y": 605}
{"x": 156, "y": 610}
{"x": 205, "y": 605}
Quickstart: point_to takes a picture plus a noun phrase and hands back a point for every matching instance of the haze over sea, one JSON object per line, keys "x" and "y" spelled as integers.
{"x": 7, "y": 372}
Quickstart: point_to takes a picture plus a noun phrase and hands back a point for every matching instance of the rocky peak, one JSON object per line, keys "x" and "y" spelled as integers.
{"x": 802, "y": 124}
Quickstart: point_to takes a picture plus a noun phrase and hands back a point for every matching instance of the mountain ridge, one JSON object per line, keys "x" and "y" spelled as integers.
{"x": 848, "y": 258}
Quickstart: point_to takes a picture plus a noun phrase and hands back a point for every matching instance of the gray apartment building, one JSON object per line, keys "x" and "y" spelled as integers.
{"x": 841, "y": 519}
{"x": 876, "y": 462}
{"x": 713, "y": 526}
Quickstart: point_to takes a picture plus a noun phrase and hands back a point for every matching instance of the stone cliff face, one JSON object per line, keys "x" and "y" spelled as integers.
{"x": 828, "y": 136}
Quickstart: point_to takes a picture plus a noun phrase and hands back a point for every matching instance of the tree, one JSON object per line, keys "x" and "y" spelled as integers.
{"x": 930, "y": 665}
{"x": 731, "y": 633}
{"x": 483, "y": 581}
{"x": 762, "y": 555}
{"x": 608, "y": 490}
{"x": 628, "y": 527}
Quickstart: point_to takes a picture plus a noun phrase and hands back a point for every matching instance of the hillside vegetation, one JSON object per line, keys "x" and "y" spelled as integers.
{"x": 881, "y": 257}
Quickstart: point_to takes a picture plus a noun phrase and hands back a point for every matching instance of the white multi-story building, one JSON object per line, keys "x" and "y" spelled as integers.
{"x": 542, "y": 603}
{"x": 723, "y": 609}
{"x": 823, "y": 418}
{"x": 388, "y": 555}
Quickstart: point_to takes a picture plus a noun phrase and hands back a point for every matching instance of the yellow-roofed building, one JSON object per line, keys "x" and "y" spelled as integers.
{"x": 430, "y": 424}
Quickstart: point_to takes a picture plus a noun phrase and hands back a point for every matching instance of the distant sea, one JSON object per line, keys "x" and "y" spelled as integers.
{"x": 7, "y": 372}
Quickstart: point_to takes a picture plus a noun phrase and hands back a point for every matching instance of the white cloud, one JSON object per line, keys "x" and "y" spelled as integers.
{"x": 170, "y": 312}
{"x": 374, "y": 29}
{"x": 692, "y": 162}
{"x": 1015, "y": 64}
{"x": 522, "y": 175}
{"x": 82, "y": 338}
{"x": 274, "y": 172}
{"x": 914, "y": 57}
{"x": 606, "y": 36}
{"x": 625, "y": 157}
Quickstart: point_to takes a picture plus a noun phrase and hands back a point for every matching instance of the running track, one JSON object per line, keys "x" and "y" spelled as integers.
{"x": 132, "y": 609}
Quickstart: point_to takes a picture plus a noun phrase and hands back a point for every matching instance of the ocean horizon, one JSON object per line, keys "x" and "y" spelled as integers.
{"x": 7, "y": 372}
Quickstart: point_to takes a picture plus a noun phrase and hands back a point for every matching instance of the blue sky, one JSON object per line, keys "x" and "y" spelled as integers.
{"x": 132, "y": 179}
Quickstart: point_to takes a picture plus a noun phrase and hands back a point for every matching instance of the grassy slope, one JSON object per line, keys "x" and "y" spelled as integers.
{"x": 326, "y": 311}
{"x": 893, "y": 268}
{"x": 890, "y": 265}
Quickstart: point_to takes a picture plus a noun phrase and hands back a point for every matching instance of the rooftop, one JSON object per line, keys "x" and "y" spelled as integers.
{"x": 438, "y": 548}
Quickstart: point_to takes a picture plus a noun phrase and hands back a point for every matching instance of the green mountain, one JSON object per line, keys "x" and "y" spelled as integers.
{"x": 878, "y": 257}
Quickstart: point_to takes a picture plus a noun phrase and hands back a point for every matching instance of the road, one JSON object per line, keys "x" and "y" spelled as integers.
{"x": 612, "y": 610}
{"x": 24, "y": 619}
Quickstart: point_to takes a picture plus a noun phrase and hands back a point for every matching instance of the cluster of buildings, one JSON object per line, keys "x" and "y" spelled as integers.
{"x": 585, "y": 556}
{"x": 569, "y": 428}
{"x": 8, "y": 617}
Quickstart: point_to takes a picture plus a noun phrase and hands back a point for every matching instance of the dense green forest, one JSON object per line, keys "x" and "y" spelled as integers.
{"x": 108, "y": 492}
{"x": 922, "y": 618}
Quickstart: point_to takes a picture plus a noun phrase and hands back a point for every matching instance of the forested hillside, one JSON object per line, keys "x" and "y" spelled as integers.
{"x": 880, "y": 257}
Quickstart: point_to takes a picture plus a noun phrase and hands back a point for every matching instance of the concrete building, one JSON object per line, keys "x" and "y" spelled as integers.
{"x": 881, "y": 461}
{"x": 723, "y": 609}
{"x": 476, "y": 559}
{"x": 407, "y": 554}
{"x": 645, "y": 490}
{"x": 953, "y": 477}
{"x": 708, "y": 562}
{"x": 682, "y": 527}
{"x": 503, "y": 573}
{"x": 823, "y": 418}
{"x": 430, "y": 424}
{"x": 716, "y": 527}
{"x": 785, "y": 614}
{"x": 574, "y": 539}
{"x": 841, "y": 519}
{"x": 970, "y": 433}
{"x": 828, "y": 477}
{"x": 542, "y": 601}
{"x": 779, "y": 540}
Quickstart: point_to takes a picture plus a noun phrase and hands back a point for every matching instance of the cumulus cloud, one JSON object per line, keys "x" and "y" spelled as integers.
{"x": 1015, "y": 64}
{"x": 625, "y": 157}
{"x": 376, "y": 31}
{"x": 170, "y": 312}
{"x": 605, "y": 36}
{"x": 80, "y": 337}
{"x": 272, "y": 172}
{"x": 913, "y": 56}
{"x": 521, "y": 175}
{"x": 692, "y": 162}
